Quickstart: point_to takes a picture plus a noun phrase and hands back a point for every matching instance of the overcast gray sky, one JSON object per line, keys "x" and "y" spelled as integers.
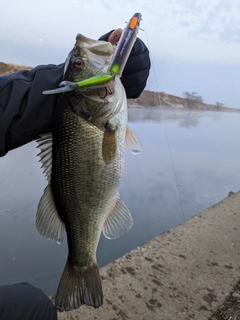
{"x": 194, "y": 44}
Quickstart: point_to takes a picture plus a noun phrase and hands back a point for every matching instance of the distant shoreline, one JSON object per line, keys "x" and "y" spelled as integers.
{"x": 169, "y": 101}
{"x": 147, "y": 98}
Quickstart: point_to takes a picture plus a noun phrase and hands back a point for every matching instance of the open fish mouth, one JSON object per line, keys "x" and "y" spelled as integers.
{"x": 99, "y": 53}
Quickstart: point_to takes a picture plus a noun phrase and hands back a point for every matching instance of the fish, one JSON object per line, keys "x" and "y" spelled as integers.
{"x": 83, "y": 160}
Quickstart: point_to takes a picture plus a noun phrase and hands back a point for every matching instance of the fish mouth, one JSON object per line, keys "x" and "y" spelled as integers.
{"x": 96, "y": 46}
{"x": 99, "y": 53}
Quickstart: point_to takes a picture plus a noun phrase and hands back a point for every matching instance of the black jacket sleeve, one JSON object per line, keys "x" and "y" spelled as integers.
{"x": 23, "y": 301}
{"x": 25, "y": 113}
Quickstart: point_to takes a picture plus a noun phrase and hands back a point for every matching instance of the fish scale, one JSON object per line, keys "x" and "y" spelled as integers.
{"x": 90, "y": 188}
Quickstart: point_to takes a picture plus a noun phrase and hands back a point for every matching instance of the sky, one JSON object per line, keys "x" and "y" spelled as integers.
{"x": 194, "y": 44}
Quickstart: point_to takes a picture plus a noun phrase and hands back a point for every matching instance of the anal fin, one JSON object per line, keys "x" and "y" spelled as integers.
{"x": 118, "y": 222}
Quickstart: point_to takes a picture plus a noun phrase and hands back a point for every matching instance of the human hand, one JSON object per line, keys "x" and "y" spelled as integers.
{"x": 115, "y": 36}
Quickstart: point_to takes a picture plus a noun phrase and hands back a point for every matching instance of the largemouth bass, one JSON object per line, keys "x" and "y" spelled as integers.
{"x": 83, "y": 160}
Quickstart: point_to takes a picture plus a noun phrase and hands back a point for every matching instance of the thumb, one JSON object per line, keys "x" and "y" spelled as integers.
{"x": 115, "y": 36}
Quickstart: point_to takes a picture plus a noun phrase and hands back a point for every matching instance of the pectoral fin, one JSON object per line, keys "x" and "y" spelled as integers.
{"x": 48, "y": 222}
{"x": 132, "y": 142}
{"x": 109, "y": 146}
{"x": 118, "y": 222}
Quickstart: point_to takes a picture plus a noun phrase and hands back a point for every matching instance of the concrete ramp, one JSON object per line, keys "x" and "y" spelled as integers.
{"x": 183, "y": 274}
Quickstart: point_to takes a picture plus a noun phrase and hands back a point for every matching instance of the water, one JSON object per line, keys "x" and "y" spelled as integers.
{"x": 190, "y": 161}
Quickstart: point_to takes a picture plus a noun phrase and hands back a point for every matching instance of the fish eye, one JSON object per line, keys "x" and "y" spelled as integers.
{"x": 78, "y": 63}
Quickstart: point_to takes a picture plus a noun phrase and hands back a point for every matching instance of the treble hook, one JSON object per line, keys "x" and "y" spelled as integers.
{"x": 102, "y": 96}
{"x": 107, "y": 91}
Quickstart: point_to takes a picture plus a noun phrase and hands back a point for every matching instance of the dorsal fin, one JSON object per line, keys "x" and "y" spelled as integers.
{"x": 48, "y": 221}
{"x": 45, "y": 154}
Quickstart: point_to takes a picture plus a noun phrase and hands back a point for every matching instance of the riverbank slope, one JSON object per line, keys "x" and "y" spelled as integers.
{"x": 165, "y": 100}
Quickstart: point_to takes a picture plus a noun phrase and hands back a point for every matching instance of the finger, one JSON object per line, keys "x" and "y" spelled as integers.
{"x": 115, "y": 36}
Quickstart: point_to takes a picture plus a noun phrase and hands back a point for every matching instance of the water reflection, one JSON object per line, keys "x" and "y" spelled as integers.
{"x": 192, "y": 154}
{"x": 185, "y": 118}
{"x": 189, "y": 121}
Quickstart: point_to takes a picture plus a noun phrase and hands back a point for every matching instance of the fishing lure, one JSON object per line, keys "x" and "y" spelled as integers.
{"x": 116, "y": 65}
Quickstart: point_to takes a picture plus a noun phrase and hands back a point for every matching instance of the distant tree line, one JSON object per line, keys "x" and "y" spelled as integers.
{"x": 219, "y": 105}
{"x": 192, "y": 99}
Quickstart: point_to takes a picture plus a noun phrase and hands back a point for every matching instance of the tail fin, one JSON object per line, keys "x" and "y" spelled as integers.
{"x": 78, "y": 287}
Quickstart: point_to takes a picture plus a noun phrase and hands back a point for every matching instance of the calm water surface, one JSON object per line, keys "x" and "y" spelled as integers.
{"x": 190, "y": 161}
